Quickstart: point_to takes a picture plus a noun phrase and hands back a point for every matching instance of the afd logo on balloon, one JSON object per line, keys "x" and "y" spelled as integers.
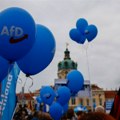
{"x": 16, "y": 34}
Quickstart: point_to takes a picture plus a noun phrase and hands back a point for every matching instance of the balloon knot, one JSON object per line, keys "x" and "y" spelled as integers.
{"x": 27, "y": 75}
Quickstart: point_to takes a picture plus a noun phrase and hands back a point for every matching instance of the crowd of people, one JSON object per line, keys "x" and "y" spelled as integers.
{"x": 23, "y": 113}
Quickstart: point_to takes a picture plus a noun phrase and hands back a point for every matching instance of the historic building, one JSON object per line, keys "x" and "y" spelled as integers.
{"x": 90, "y": 96}
{"x": 98, "y": 96}
{"x": 84, "y": 96}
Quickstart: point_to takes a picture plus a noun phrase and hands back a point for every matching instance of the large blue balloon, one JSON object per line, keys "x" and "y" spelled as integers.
{"x": 17, "y": 33}
{"x": 5, "y": 68}
{"x": 47, "y": 95}
{"x": 56, "y": 111}
{"x": 63, "y": 95}
{"x": 75, "y": 81}
{"x": 81, "y": 24}
{"x": 41, "y": 54}
{"x": 77, "y": 36}
{"x": 91, "y": 32}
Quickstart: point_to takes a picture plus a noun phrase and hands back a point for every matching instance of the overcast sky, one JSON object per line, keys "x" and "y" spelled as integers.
{"x": 60, "y": 16}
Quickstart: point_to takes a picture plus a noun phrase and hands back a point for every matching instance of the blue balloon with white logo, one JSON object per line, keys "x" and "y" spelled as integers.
{"x": 5, "y": 68}
{"x": 47, "y": 95}
{"x": 56, "y": 111}
{"x": 91, "y": 32}
{"x": 42, "y": 53}
{"x": 77, "y": 36}
{"x": 81, "y": 25}
{"x": 75, "y": 81}
{"x": 17, "y": 33}
{"x": 63, "y": 95}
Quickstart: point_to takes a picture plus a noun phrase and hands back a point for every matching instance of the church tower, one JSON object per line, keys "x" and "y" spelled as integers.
{"x": 66, "y": 65}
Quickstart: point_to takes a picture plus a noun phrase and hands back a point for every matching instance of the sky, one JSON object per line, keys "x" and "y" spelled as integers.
{"x": 60, "y": 16}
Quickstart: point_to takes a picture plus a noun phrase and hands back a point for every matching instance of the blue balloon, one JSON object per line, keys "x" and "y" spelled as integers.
{"x": 47, "y": 95}
{"x": 91, "y": 32}
{"x": 75, "y": 81}
{"x": 56, "y": 111}
{"x": 17, "y": 33}
{"x": 39, "y": 100}
{"x": 5, "y": 68}
{"x": 42, "y": 53}
{"x": 81, "y": 24}
{"x": 77, "y": 36}
{"x": 63, "y": 95}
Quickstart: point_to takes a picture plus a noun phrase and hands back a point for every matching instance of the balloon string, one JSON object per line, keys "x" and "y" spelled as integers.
{"x": 19, "y": 80}
{"x": 23, "y": 91}
{"x": 87, "y": 60}
{"x": 25, "y": 82}
{"x": 89, "y": 77}
{"x": 30, "y": 93}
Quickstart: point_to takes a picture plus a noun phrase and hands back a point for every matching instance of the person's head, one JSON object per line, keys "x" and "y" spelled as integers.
{"x": 99, "y": 109}
{"x": 80, "y": 114}
{"x": 20, "y": 106}
{"x": 44, "y": 116}
{"x": 96, "y": 116}
{"x": 70, "y": 113}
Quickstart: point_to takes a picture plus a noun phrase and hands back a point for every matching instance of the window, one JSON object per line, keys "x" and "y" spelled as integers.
{"x": 87, "y": 101}
{"x": 100, "y": 101}
{"x": 94, "y": 100}
{"x": 81, "y": 101}
{"x": 73, "y": 101}
{"x": 66, "y": 64}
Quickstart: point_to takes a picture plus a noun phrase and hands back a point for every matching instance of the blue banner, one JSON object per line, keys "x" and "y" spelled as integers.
{"x": 8, "y": 94}
{"x": 109, "y": 104}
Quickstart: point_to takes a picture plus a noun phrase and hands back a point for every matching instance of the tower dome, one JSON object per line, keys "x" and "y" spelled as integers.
{"x": 66, "y": 65}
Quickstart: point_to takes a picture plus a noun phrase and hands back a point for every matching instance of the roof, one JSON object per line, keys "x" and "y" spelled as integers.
{"x": 95, "y": 87}
{"x": 109, "y": 94}
{"x": 26, "y": 96}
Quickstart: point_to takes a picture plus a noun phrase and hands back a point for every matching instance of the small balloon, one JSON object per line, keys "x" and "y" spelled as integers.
{"x": 81, "y": 24}
{"x": 56, "y": 111}
{"x": 63, "y": 95}
{"x": 91, "y": 32}
{"x": 39, "y": 100}
{"x": 17, "y": 33}
{"x": 41, "y": 54}
{"x": 47, "y": 95}
{"x": 75, "y": 81}
{"x": 76, "y": 36}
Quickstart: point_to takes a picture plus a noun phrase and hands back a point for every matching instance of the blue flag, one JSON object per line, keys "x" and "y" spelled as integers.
{"x": 8, "y": 94}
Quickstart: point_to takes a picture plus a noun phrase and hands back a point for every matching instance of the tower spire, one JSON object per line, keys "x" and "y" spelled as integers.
{"x": 67, "y": 52}
{"x": 67, "y": 44}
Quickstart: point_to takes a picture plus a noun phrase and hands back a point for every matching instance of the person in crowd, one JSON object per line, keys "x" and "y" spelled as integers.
{"x": 71, "y": 114}
{"x": 44, "y": 116}
{"x": 79, "y": 114}
{"x": 21, "y": 113}
{"x": 96, "y": 116}
{"x": 100, "y": 109}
